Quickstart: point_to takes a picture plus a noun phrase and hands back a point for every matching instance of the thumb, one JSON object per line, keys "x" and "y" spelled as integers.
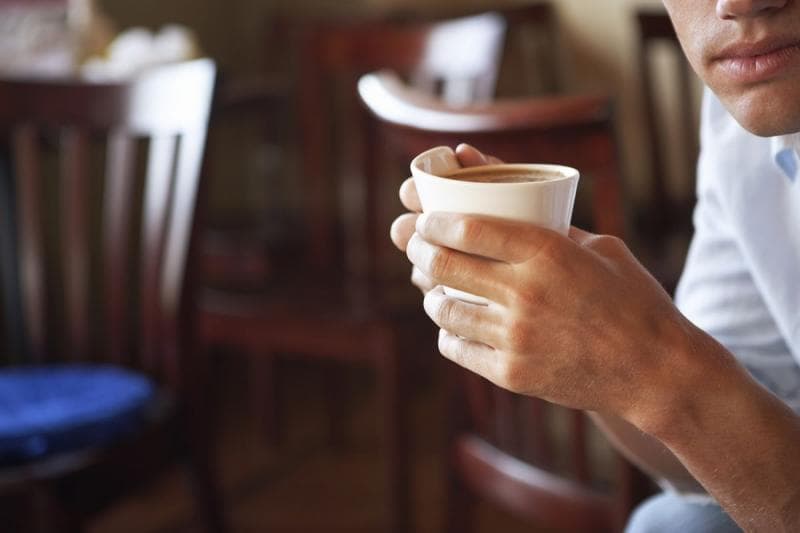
{"x": 469, "y": 156}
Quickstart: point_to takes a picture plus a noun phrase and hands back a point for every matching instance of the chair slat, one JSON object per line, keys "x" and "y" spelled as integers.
{"x": 183, "y": 201}
{"x": 116, "y": 243}
{"x": 75, "y": 241}
{"x": 537, "y": 432}
{"x": 580, "y": 458}
{"x": 157, "y": 193}
{"x": 607, "y": 190}
{"x": 31, "y": 245}
{"x": 505, "y": 419}
{"x": 11, "y": 329}
{"x": 480, "y": 402}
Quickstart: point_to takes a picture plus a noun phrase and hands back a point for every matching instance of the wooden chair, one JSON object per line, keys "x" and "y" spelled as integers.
{"x": 530, "y": 55}
{"x": 327, "y": 303}
{"x": 240, "y": 248}
{"x": 503, "y": 449}
{"x": 97, "y": 275}
{"x": 667, "y": 222}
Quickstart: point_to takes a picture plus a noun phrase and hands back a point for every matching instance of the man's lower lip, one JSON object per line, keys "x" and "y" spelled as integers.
{"x": 762, "y": 67}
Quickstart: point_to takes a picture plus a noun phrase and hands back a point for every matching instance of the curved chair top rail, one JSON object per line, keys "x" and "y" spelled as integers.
{"x": 392, "y": 101}
{"x": 163, "y": 99}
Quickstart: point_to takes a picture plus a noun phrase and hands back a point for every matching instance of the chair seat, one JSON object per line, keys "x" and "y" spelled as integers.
{"x": 46, "y": 410}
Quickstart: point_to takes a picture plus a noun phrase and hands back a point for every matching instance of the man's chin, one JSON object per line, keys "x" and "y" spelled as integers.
{"x": 765, "y": 113}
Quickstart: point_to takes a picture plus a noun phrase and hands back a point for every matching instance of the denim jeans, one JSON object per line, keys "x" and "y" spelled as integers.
{"x": 667, "y": 513}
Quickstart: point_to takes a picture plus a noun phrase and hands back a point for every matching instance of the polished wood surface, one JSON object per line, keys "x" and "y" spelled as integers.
{"x": 502, "y": 446}
{"x": 104, "y": 261}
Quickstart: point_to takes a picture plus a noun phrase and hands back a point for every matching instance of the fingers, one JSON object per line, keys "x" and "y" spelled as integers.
{"x": 409, "y": 197}
{"x": 469, "y": 156}
{"x": 494, "y": 238}
{"x": 474, "y": 356}
{"x": 469, "y": 273}
{"x": 421, "y": 281}
{"x": 402, "y": 229}
{"x": 479, "y": 323}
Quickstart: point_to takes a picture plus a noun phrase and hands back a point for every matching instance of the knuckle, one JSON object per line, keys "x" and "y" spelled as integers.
{"x": 517, "y": 336}
{"x": 606, "y": 244}
{"x": 467, "y": 230}
{"x": 548, "y": 249}
{"x": 529, "y": 296}
{"x": 420, "y": 280}
{"x": 554, "y": 251}
{"x": 511, "y": 376}
{"x": 449, "y": 348}
{"x": 440, "y": 262}
{"x": 445, "y": 312}
{"x": 442, "y": 344}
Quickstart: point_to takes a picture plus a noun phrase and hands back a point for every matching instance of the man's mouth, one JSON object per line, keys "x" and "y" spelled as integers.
{"x": 753, "y": 62}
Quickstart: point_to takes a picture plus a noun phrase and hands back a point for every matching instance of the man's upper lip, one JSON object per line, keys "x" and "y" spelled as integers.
{"x": 743, "y": 49}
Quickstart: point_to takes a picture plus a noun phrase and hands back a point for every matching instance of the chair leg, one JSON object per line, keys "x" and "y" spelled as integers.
{"x": 396, "y": 435}
{"x": 197, "y": 444}
{"x": 204, "y": 482}
{"x": 266, "y": 396}
{"x": 460, "y": 502}
{"x": 460, "y": 505}
{"x": 48, "y": 515}
{"x": 335, "y": 401}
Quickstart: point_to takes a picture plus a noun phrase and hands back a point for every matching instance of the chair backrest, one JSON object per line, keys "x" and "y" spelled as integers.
{"x": 458, "y": 59}
{"x": 507, "y": 451}
{"x": 669, "y": 205}
{"x": 531, "y": 56}
{"x": 103, "y": 183}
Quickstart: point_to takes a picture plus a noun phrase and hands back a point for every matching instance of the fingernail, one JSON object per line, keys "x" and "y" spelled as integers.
{"x": 411, "y": 246}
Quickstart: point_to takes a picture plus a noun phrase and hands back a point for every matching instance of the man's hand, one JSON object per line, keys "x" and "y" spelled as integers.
{"x": 403, "y": 227}
{"x": 575, "y": 320}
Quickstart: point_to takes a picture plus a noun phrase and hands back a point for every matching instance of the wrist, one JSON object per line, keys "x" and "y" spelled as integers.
{"x": 725, "y": 428}
{"x": 694, "y": 375}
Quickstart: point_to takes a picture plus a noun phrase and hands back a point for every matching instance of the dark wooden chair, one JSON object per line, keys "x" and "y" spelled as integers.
{"x": 240, "y": 245}
{"x": 98, "y": 222}
{"x": 326, "y": 303}
{"x": 503, "y": 449}
{"x": 531, "y": 53}
{"x": 666, "y": 226}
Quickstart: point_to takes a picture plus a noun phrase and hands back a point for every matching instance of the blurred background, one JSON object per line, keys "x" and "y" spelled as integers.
{"x": 318, "y": 410}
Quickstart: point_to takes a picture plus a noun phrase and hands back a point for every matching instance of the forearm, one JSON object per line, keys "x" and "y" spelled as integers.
{"x": 646, "y": 452}
{"x": 738, "y": 440}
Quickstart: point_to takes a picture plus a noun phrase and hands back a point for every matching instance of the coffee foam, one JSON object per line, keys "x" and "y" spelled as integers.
{"x": 501, "y": 175}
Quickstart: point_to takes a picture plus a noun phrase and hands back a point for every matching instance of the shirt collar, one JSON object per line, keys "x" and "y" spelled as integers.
{"x": 785, "y": 150}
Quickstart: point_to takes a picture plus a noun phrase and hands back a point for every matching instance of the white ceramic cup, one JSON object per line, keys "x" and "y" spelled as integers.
{"x": 545, "y": 202}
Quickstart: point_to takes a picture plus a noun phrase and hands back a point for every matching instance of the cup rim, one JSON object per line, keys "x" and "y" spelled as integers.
{"x": 566, "y": 172}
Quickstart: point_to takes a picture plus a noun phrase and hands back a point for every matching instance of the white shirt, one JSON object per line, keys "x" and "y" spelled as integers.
{"x": 741, "y": 283}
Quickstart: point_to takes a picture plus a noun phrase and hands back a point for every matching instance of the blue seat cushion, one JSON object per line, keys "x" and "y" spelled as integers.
{"x": 47, "y": 409}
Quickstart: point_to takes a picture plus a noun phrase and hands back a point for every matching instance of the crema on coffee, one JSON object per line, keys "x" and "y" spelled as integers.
{"x": 479, "y": 175}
